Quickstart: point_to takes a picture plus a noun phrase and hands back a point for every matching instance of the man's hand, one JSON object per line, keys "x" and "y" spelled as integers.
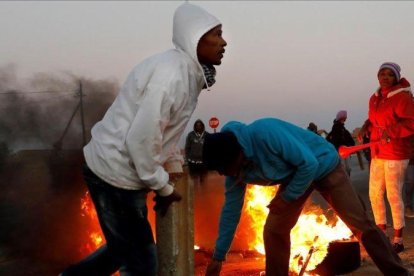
{"x": 214, "y": 268}
{"x": 163, "y": 202}
{"x": 385, "y": 138}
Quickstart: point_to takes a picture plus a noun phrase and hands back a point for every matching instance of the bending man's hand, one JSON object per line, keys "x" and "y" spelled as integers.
{"x": 163, "y": 202}
{"x": 214, "y": 268}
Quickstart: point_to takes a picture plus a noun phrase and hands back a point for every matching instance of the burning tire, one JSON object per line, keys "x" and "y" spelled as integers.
{"x": 343, "y": 257}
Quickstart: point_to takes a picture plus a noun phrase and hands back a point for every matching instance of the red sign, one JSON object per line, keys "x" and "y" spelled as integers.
{"x": 213, "y": 122}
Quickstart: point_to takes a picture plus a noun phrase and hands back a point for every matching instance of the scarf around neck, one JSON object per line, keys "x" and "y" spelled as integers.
{"x": 209, "y": 73}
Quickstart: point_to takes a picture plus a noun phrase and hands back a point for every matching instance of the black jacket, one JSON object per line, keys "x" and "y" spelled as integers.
{"x": 340, "y": 136}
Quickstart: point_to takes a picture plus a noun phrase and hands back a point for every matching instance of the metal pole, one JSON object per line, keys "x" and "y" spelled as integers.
{"x": 81, "y": 113}
{"x": 361, "y": 163}
{"x": 311, "y": 251}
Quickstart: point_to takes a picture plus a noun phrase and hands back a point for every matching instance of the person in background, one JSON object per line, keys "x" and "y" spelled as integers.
{"x": 193, "y": 152}
{"x": 340, "y": 136}
{"x": 313, "y": 127}
{"x": 270, "y": 151}
{"x": 390, "y": 124}
{"x": 133, "y": 149}
{"x": 409, "y": 188}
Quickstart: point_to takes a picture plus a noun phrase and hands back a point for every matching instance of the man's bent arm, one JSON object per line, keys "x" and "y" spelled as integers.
{"x": 230, "y": 217}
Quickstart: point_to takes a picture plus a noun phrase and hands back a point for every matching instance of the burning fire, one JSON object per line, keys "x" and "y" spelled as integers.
{"x": 317, "y": 236}
{"x": 311, "y": 244}
{"x": 255, "y": 197}
{"x": 96, "y": 238}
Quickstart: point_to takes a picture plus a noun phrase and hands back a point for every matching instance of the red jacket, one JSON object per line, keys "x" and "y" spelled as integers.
{"x": 394, "y": 114}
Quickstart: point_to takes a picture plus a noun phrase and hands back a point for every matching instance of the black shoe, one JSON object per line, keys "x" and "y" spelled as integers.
{"x": 398, "y": 247}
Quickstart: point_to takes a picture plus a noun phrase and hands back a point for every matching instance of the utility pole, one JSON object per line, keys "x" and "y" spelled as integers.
{"x": 58, "y": 144}
{"x": 81, "y": 113}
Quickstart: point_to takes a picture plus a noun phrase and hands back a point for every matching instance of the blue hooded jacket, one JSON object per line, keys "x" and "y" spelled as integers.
{"x": 278, "y": 152}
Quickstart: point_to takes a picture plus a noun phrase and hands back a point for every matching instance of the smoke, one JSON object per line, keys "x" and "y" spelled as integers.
{"x": 36, "y": 111}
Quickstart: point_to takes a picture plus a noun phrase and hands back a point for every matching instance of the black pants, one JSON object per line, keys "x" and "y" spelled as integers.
{"x": 130, "y": 245}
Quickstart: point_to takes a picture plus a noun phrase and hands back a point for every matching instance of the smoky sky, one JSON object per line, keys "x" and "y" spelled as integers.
{"x": 35, "y": 111}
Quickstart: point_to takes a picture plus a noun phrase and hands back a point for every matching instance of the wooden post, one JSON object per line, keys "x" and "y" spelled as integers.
{"x": 175, "y": 233}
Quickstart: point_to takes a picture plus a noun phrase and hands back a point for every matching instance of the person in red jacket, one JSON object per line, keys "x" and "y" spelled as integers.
{"x": 390, "y": 123}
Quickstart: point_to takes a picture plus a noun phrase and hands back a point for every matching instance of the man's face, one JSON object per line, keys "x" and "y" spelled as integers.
{"x": 199, "y": 127}
{"x": 210, "y": 48}
{"x": 386, "y": 78}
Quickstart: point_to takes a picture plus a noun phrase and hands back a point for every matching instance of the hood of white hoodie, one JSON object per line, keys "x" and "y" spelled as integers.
{"x": 189, "y": 25}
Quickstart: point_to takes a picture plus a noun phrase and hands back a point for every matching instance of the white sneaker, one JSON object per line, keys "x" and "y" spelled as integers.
{"x": 409, "y": 213}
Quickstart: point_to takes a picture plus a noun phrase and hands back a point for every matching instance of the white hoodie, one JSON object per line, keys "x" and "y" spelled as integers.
{"x": 135, "y": 143}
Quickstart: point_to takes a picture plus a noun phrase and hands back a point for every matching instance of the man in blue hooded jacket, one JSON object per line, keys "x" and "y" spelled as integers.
{"x": 274, "y": 152}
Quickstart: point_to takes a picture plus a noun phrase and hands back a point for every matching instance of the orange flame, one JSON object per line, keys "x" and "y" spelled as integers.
{"x": 301, "y": 241}
{"x": 96, "y": 238}
{"x": 255, "y": 197}
{"x": 311, "y": 230}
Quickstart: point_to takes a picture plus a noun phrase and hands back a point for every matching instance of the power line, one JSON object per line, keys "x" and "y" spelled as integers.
{"x": 50, "y": 100}
{"x": 35, "y": 92}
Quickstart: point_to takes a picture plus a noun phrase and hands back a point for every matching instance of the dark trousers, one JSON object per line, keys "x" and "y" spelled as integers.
{"x": 130, "y": 245}
{"x": 337, "y": 190}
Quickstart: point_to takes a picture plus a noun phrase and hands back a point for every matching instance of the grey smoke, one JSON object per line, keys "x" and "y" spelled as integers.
{"x": 34, "y": 112}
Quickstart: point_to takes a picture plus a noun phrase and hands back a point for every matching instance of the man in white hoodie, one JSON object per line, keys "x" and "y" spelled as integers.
{"x": 133, "y": 148}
